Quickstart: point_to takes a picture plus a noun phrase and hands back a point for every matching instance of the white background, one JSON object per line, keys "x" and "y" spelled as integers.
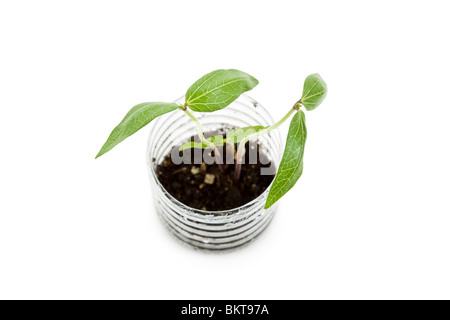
{"x": 368, "y": 219}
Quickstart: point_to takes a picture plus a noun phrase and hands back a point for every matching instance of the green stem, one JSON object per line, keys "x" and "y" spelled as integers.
{"x": 279, "y": 123}
{"x": 241, "y": 148}
{"x": 203, "y": 139}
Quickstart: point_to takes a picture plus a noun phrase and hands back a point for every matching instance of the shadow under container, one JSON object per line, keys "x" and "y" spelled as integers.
{"x": 213, "y": 230}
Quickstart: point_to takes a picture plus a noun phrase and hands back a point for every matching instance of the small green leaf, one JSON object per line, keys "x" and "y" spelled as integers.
{"x": 233, "y": 136}
{"x": 217, "y": 140}
{"x": 237, "y": 135}
{"x": 291, "y": 166}
{"x": 217, "y": 89}
{"x": 138, "y": 117}
{"x": 314, "y": 91}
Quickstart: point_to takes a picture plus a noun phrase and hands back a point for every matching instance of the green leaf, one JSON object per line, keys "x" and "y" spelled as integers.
{"x": 217, "y": 140}
{"x": 217, "y": 89}
{"x": 237, "y": 135}
{"x": 314, "y": 91}
{"x": 291, "y": 166}
{"x": 233, "y": 136}
{"x": 138, "y": 117}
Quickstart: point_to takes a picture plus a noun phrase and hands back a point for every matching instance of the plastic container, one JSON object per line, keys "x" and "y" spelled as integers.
{"x": 213, "y": 230}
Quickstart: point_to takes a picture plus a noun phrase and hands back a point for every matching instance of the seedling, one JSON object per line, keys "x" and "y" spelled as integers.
{"x": 215, "y": 91}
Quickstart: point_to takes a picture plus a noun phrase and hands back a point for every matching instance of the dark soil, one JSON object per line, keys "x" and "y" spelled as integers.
{"x": 205, "y": 187}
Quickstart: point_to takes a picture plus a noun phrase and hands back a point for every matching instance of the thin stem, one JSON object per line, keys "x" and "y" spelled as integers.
{"x": 203, "y": 139}
{"x": 241, "y": 148}
{"x": 237, "y": 172}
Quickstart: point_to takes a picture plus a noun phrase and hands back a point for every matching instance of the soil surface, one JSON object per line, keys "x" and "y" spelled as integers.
{"x": 203, "y": 186}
